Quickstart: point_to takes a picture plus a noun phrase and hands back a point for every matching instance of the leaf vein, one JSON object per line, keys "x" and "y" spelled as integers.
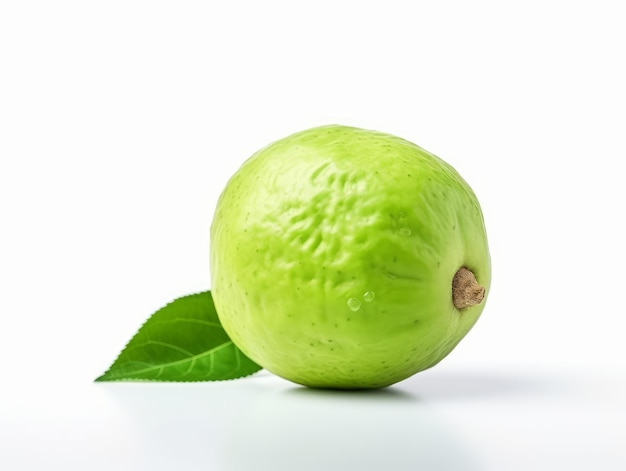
{"x": 182, "y": 361}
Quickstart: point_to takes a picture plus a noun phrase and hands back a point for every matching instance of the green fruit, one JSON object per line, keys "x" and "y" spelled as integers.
{"x": 347, "y": 258}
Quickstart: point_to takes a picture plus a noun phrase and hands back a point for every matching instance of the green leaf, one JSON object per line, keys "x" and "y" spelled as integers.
{"x": 183, "y": 341}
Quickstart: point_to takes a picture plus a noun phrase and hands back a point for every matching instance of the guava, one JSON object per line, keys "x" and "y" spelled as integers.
{"x": 347, "y": 258}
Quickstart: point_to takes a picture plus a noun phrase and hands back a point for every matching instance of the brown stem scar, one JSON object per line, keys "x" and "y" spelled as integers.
{"x": 466, "y": 291}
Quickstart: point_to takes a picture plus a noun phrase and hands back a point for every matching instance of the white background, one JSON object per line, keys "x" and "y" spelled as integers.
{"x": 120, "y": 123}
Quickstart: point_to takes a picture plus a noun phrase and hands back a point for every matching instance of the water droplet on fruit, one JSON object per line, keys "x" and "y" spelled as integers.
{"x": 404, "y": 231}
{"x": 354, "y": 304}
{"x": 369, "y": 296}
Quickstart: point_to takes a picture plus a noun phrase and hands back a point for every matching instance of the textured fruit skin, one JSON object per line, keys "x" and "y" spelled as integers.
{"x": 313, "y": 226}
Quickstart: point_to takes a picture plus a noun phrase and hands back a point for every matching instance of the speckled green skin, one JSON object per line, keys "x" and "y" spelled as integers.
{"x": 313, "y": 222}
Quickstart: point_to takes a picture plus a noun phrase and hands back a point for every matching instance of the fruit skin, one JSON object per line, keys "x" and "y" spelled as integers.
{"x": 315, "y": 225}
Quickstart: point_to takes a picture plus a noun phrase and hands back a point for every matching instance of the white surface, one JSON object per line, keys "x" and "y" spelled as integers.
{"x": 443, "y": 419}
{"x": 120, "y": 123}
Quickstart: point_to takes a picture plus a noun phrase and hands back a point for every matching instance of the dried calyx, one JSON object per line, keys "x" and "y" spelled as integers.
{"x": 466, "y": 291}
